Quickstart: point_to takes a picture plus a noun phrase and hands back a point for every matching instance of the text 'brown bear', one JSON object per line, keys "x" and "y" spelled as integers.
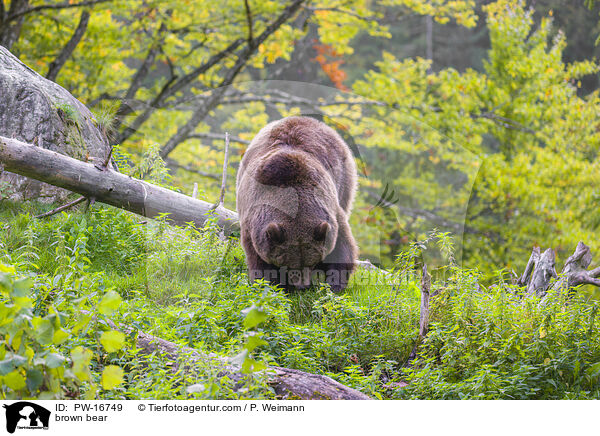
{"x": 295, "y": 188}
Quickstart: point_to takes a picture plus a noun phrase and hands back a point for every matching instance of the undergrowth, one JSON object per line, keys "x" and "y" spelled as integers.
{"x": 76, "y": 273}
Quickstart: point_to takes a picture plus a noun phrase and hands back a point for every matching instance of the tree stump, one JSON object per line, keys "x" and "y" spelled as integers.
{"x": 540, "y": 277}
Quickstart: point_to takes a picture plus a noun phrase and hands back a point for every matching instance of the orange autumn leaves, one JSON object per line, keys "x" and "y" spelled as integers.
{"x": 330, "y": 63}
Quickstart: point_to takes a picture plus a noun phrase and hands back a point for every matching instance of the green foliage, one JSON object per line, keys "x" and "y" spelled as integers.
{"x": 490, "y": 343}
{"x": 191, "y": 288}
{"x": 511, "y": 152}
{"x": 106, "y": 116}
{"x": 39, "y": 352}
{"x": 152, "y": 168}
{"x": 5, "y": 190}
{"x": 510, "y": 149}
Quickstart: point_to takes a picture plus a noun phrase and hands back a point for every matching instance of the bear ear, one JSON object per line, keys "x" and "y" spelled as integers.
{"x": 321, "y": 231}
{"x": 275, "y": 233}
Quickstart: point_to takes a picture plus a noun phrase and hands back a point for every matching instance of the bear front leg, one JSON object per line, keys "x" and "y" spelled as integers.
{"x": 341, "y": 262}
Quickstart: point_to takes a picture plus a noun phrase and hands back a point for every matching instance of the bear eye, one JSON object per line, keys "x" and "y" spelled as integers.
{"x": 321, "y": 231}
{"x": 275, "y": 233}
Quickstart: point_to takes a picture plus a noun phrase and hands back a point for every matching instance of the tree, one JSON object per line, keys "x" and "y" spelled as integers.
{"x": 521, "y": 120}
{"x": 163, "y": 51}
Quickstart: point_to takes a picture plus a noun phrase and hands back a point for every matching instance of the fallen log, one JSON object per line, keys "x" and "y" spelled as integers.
{"x": 108, "y": 186}
{"x": 540, "y": 277}
{"x": 287, "y": 383}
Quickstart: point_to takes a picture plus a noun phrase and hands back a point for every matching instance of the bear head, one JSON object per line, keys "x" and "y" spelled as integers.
{"x": 295, "y": 242}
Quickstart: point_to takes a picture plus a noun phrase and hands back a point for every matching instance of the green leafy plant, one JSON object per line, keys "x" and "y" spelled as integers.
{"x": 37, "y": 356}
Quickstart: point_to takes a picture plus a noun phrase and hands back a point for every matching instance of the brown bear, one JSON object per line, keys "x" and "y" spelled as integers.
{"x": 295, "y": 188}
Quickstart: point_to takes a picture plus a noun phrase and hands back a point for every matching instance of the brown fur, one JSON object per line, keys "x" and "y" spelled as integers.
{"x": 295, "y": 189}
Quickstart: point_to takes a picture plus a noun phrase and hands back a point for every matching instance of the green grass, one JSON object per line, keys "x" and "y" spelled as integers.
{"x": 188, "y": 286}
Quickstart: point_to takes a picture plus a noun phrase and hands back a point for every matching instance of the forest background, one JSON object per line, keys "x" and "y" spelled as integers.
{"x": 476, "y": 118}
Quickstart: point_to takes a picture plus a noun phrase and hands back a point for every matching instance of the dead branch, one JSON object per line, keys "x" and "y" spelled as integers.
{"x": 224, "y": 177}
{"x": 543, "y": 272}
{"x": 424, "y": 313}
{"x": 61, "y": 208}
{"x": 574, "y": 272}
{"x": 425, "y": 292}
{"x": 533, "y": 259}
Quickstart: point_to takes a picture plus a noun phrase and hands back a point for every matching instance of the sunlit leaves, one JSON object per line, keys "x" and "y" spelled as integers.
{"x": 14, "y": 380}
{"x": 81, "y": 358}
{"x": 112, "y": 340}
{"x": 112, "y": 376}
{"x": 109, "y": 303}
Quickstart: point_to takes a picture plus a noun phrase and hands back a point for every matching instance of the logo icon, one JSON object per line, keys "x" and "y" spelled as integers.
{"x": 26, "y": 415}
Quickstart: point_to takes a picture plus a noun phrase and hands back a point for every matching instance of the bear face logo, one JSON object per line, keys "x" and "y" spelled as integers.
{"x": 24, "y": 414}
